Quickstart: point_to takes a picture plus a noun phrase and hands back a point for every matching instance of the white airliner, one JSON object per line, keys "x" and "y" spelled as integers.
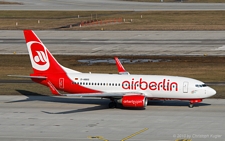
{"x": 125, "y": 88}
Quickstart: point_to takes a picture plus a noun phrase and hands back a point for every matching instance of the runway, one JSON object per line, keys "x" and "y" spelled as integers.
{"x": 120, "y": 42}
{"x": 109, "y": 5}
{"x": 42, "y": 118}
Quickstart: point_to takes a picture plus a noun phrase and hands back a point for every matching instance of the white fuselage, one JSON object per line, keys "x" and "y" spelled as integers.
{"x": 152, "y": 86}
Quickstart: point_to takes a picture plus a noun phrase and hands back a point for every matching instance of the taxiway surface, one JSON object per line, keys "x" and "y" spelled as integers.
{"x": 43, "y": 118}
{"x": 119, "y": 42}
{"x": 109, "y": 5}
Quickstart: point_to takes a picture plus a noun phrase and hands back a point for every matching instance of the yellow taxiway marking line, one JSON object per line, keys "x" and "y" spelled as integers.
{"x": 183, "y": 140}
{"x": 134, "y": 134}
{"x": 98, "y": 137}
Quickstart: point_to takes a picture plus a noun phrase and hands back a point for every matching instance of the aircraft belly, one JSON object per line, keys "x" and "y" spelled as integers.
{"x": 174, "y": 95}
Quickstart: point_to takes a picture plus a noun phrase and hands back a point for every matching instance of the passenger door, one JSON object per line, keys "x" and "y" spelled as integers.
{"x": 61, "y": 83}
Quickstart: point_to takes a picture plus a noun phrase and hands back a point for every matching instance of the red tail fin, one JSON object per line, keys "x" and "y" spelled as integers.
{"x": 41, "y": 59}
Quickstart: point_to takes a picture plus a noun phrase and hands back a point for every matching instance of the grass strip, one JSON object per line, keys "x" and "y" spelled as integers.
{"x": 132, "y": 20}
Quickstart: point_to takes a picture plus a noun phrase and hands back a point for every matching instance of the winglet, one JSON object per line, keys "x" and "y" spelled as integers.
{"x": 120, "y": 67}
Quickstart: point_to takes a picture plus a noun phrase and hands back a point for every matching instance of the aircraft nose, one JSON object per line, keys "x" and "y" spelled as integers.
{"x": 211, "y": 92}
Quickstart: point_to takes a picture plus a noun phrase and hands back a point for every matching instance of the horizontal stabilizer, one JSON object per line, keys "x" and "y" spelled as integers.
{"x": 26, "y": 76}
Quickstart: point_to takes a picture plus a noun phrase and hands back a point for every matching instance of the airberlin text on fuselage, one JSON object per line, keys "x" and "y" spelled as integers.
{"x": 164, "y": 85}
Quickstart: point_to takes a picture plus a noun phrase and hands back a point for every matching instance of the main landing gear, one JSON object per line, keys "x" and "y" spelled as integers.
{"x": 112, "y": 104}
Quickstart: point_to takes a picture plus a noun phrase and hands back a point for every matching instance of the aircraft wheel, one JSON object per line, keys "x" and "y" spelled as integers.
{"x": 191, "y": 105}
{"x": 112, "y": 105}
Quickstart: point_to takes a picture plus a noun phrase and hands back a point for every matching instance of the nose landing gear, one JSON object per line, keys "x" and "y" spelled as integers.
{"x": 193, "y": 101}
{"x": 191, "y": 105}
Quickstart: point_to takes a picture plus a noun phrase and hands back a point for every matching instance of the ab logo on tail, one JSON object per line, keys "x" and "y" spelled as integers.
{"x": 38, "y": 55}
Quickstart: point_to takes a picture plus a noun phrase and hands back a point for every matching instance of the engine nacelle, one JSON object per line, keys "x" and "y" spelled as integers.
{"x": 138, "y": 101}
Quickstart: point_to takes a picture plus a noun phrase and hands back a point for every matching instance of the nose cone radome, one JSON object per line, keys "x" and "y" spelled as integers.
{"x": 211, "y": 92}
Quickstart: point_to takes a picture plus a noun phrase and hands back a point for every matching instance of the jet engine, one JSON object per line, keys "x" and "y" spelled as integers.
{"x": 138, "y": 101}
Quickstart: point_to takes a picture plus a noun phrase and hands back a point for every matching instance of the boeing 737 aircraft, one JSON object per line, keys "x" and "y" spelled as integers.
{"x": 125, "y": 88}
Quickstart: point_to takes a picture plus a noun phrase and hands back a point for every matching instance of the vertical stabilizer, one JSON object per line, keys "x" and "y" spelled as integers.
{"x": 41, "y": 59}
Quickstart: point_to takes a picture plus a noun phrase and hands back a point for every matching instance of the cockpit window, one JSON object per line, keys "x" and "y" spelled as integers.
{"x": 200, "y": 85}
{"x": 204, "y": 85}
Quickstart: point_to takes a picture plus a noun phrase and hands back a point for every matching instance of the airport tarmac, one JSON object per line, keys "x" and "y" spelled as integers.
{"x": 43, "y": 118}
{"x": 119, "y": 42}
{"x": 109, "y": 5}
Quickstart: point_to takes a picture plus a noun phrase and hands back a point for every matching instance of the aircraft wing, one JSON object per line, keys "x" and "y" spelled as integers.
{"x": 113, "y": 94}
{"x": 127, "y": 99}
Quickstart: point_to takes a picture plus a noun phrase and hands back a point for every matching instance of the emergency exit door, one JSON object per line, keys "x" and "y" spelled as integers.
{"x": 185, "y": 87}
